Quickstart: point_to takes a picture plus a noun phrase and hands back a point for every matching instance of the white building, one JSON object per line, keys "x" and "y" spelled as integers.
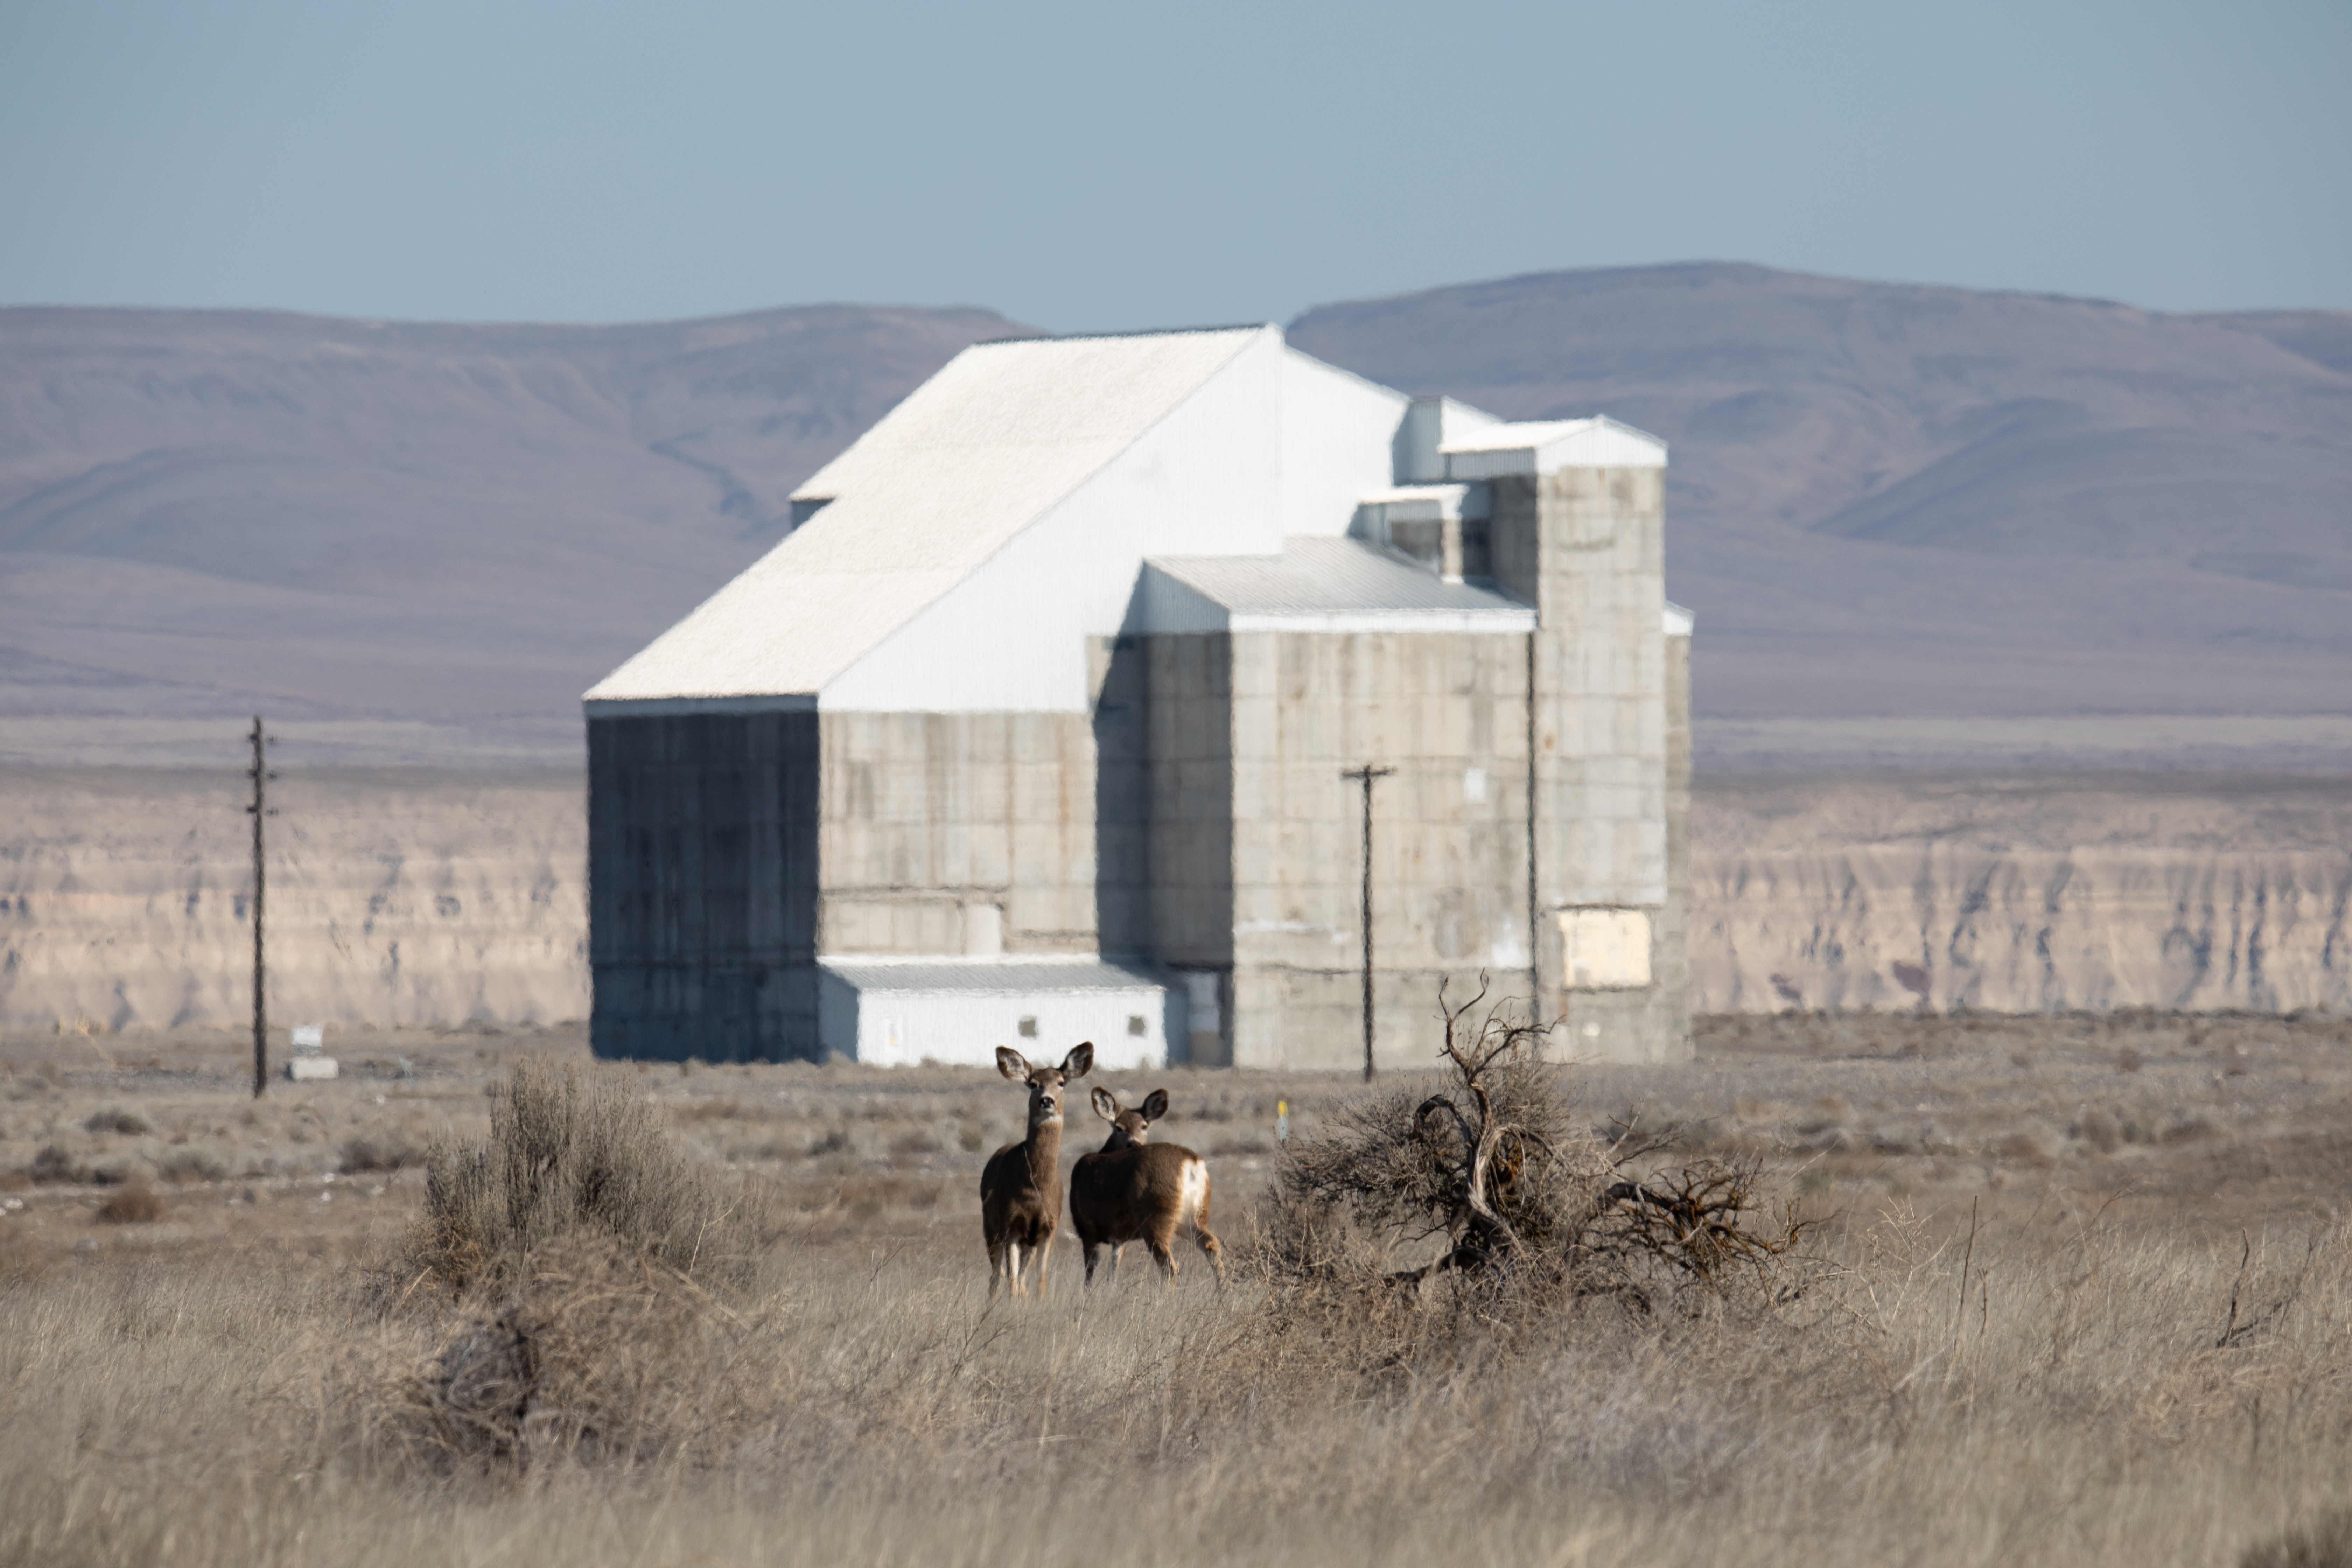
{"x": 1038, "y": 721}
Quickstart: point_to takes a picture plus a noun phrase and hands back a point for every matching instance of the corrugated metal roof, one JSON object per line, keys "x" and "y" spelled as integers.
{"x": 946, "y": 479}
{"x": 995, "y": 977}
{"x": 1320, "y": 585}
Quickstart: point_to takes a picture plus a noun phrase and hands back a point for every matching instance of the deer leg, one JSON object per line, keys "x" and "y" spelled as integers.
{"x": 1089, "y": 1248}
{"x": 1163, "y": 1255}
{"x": 1043, "y": 1253}
{"x": 1012, "y": 1269}
{"x": 1206, "y": 1239}
{"x": 995, "y": 1267}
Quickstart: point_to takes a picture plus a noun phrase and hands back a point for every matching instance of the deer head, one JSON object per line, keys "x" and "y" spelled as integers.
{"x": 1129, "y": 1127}
{"x": 1045, "y": 1083}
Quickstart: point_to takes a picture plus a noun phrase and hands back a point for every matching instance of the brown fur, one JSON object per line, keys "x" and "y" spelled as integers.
{"x": 1020, "y": 1187}
{"x": 1134, "y": 1190}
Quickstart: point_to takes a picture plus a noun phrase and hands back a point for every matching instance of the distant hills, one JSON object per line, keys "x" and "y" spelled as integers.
{"x": 1885, "y": 500}
{"x": 419, "y": 541}
{"x": 1900, "y": 501}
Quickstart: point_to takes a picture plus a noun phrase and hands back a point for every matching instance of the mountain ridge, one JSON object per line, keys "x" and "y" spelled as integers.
{"x": 1907, "y": 501}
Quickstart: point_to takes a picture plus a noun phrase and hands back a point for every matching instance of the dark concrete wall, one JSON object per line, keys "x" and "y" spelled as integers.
{"x": 702, "y": 867}
{"x": 1189, "y": 746}
{"x": 1121, "y": 680}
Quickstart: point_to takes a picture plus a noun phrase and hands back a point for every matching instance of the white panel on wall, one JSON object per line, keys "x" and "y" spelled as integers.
{"x": 1605, "y": 950}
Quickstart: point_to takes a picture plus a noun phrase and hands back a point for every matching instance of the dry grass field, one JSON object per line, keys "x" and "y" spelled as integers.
{"x": 2075, "y": 1291}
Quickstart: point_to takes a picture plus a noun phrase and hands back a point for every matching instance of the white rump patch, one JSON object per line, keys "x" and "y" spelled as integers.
{"x": 1191, "y": 1191}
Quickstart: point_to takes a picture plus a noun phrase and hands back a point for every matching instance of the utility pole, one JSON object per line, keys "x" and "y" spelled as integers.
{"x": 261, "y": 775}
{"x": 1365, "y": 776}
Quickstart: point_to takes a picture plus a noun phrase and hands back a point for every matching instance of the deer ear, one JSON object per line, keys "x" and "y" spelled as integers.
{"x": 1011, "y": 1064}
{"x": 1155, "y": 1105}
{"x": 1106, "y": 1104}
{"x": 1079, "y": 1062}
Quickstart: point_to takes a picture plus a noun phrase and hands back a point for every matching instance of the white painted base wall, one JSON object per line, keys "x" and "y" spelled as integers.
{"x": 962, "y": 1025}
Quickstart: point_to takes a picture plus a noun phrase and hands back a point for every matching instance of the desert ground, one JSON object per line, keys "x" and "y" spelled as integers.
{"x": 2075, "y": 1290}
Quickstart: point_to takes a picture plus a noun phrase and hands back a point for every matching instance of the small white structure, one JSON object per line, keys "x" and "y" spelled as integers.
{"x": 307, "y": 1065}
{"x": 891, "y": 1012}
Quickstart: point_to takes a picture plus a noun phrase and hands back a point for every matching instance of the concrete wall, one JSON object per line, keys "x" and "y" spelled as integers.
{"x": 1258, "y": 838}
{"x": 957, "y": 833}
{"x": 1587, "y": 546}
{"x": 1189, "y": 768}
{"x": 702, "y": 855}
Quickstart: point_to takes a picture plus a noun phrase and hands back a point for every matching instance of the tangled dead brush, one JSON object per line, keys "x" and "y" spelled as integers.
{"x": 570, "y": 1154}
{"x": 1526, "y": 1203}
{"x": 595, "y": 1354}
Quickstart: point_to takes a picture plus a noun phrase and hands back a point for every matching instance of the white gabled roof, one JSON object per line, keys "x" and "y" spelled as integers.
{"x": 1547, "y": 446}
{"x": 947, "y": 479}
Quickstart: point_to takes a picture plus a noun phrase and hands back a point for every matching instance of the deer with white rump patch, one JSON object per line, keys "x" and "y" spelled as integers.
{"x": 1132, "y": 1189}
{"x": 1020, "y": 1187}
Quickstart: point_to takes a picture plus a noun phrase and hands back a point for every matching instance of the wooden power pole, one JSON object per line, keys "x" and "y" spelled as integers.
{"x": 1365, "y": 776}
{"x": 259, "y": 809}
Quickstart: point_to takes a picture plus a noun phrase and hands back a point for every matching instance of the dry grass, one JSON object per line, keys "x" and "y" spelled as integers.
{"x": 865, "y": 1404}
{"x": 2077, "y": 1377}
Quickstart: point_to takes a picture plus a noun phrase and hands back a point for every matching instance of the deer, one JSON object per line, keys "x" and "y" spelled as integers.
{"x": 1132, "y": 1189}
{"x": 1021, "y": 1186}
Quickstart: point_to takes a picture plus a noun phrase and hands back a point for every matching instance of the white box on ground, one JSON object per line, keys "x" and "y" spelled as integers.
{"x": 310, "y": 1037}
{"x": 302, "y": 1069}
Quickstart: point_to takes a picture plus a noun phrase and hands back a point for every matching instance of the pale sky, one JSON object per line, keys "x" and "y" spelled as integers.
{"x": 1091, "y": 166}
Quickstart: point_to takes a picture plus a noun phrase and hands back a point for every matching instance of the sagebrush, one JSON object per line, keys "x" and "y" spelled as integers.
{"x": 572, "y": 1153}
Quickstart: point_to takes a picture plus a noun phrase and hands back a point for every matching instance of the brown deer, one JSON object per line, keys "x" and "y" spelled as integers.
{"x": 1134, "y": 1190}
{"x": 1020, "y": 1187}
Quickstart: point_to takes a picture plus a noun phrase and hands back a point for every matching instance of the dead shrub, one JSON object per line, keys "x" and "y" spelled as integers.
{"x": 190, "y": 1166}
{"x": 2101, "y": 1131}
{"x": 364, "y": 1152}
{"x": 135, "y": 1202}
{"x": 1530, "y": 1208}
{"x": 55, "y": 1164}
{"x": 572, "y": 1153}
{"x": 2324, "y": 1544}
{"x": 2024, "y": 1149}
{"x": 114, "y": 1119}
{"x": 592, "y": 1353}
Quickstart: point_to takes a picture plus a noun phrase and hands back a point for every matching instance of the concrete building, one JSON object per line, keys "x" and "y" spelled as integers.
{"x": 1036, "y": 726}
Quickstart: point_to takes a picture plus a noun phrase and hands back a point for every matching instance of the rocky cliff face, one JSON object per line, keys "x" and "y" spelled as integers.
{"x": 394, "y": 898}
{"x": 2193, "y": 891}
{"x": 415, "y": 898}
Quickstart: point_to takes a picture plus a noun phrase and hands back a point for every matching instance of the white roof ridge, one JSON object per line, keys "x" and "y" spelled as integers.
{"x": 887, "y": 614}
{"x": 1088, "y": 477}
